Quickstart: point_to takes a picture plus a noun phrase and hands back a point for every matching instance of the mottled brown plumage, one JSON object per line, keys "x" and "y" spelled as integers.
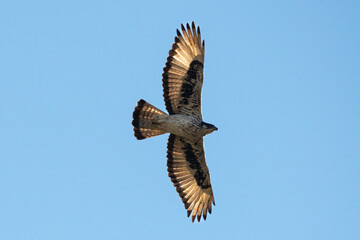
{"x": 183, "y": 74}
{"x": 182, "y": 83}
{"x": 190, "y": 175}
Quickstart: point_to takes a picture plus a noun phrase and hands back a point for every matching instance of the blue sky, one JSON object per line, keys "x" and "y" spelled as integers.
{"x": 282, "y": 84}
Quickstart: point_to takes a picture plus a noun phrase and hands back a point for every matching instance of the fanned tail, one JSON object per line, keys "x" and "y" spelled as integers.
{"x": 143, "y": 120}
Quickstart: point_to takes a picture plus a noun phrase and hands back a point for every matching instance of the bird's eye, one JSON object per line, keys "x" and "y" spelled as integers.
{"x": 205, "y": 125}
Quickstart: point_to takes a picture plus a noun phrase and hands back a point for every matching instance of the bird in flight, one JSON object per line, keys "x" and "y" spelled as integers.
{"x": 182, "y": 83}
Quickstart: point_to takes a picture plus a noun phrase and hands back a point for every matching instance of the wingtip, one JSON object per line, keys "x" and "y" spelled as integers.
{"x": 182, "y": 27}
{"x": 178, "y": 32}
{"x": 177, "y": 40}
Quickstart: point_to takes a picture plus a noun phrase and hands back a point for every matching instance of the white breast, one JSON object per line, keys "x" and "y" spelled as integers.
{"x": 180, "y": 125}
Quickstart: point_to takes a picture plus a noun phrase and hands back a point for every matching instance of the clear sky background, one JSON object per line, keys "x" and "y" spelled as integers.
{"x": 282, "y": 84}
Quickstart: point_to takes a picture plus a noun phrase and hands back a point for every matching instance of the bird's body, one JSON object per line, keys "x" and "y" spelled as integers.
{"x": 182, "y": 82}
{"x": 188, "y": 127}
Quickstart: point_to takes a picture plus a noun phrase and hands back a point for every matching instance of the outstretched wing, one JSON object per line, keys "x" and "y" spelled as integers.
{"x": 183, "y": 74}
{"x": 190, "y": 175}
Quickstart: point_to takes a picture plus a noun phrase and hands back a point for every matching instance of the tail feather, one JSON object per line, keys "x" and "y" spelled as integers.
{"x": 143, "y": 117}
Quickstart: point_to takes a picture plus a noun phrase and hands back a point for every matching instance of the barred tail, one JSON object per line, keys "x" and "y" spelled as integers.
{"x": 143, "y": 117}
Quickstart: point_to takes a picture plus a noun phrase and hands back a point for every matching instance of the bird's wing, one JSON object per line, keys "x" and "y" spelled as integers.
{"x": 190, "y": 175}
{"x": 183, "y": 74}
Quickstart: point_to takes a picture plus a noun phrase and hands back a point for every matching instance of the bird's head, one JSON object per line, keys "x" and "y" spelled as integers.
{"x": 208, "y": 128}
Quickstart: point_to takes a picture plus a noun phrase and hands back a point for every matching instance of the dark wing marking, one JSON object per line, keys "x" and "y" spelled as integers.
{"x": 183, "y": 74}
{"x": 190, "y": 175}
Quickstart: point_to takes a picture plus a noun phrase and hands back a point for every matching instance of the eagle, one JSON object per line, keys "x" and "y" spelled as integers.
{"x": 182, "y": 81}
